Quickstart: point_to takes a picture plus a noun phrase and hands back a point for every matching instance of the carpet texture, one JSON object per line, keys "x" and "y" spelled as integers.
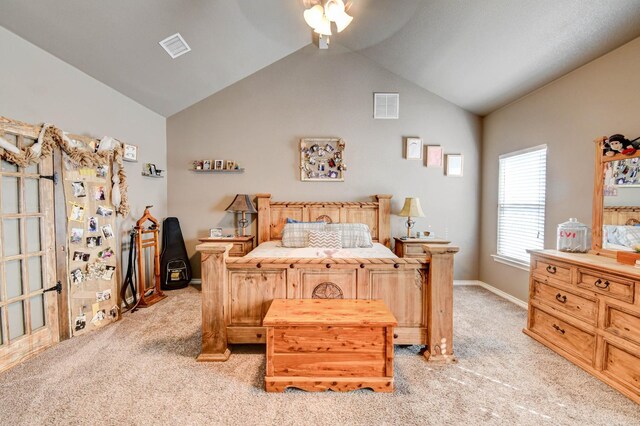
{"x": 142, "y": 370}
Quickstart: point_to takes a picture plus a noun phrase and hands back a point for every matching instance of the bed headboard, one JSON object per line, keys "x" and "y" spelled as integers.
{"x": 272, "y": 215}
{"x": 621, "y": 215}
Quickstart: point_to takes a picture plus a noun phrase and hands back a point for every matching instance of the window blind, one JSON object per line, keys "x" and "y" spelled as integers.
{"x": 521, "y": 202}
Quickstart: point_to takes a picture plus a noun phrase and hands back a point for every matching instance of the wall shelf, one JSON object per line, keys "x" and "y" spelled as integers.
{"x": 153, "y": 176}
{"x": 218, "y": 171}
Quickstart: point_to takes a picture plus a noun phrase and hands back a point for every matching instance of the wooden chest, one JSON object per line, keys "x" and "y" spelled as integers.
{"x": 322, "y": 344}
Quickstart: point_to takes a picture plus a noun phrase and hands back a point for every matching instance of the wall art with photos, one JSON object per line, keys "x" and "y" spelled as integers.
{"x": 92, "y": 246}
{"x": 435, "y": 156}
{"x": 322, "y": 160}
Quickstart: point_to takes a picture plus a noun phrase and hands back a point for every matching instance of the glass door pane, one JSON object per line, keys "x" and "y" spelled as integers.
{"x": 16, "y": 320}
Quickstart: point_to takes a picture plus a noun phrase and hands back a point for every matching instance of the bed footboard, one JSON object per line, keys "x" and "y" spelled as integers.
{"x": 237, "y": 292}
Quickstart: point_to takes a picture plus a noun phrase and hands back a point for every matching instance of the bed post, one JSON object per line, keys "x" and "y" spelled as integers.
{"x": 264, "y": 217}
{"x": 214, "y": 290}
{"x": 384, "y": 219}
{"x": 438, "y": 303}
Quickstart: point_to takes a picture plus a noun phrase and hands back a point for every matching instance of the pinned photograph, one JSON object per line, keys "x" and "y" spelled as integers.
{"x": 99, "y": 316}
{"x": 108, "y": 272}
{"x": 78, "y": 189}
{"x": 94, "y": 242}
{"x": 99, "y": 193}
{"x": 107, "y": 231}
{"x": 92, "y": 224}
{"x": 77, "y": 276}
{"x": 104, "y": 211}
{"x": 106, "y": 253}
{"x": 95, "y": 270}
{"x": 77, "y": 213}
{"x": 113, "y": 313}
{"x": 76, "y": 235}
{"x": 80, "y": 322}
{"x": 102, "y": 171}
{"x": 103, "y": 295}
{"x": 79, "y": 256}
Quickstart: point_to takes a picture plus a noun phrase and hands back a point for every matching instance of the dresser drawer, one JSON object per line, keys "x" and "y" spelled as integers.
{"x": 571, "y": 303}
{"x": 564, "y": 335}
{"x": 622, "y": 365}
{"x": 609, "y": 285}
{"x": 622, "y": 323}
{"x": 552, "y": 269}
{"x": 237, "y": 250}
{"x": 414, "y": 249}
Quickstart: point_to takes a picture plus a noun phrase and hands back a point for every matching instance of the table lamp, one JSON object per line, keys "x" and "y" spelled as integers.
{"x": 411, "y": 209}
{"x": 242, "y": 203}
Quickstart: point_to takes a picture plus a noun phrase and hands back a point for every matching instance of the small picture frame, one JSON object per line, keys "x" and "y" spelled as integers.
{"x": 454, "y": 165}
{"x": 206, "y": 165}
{"x": 413, "y": 149}
{"x": 215, "y": 232}
{"x": 435, "y": 155}
{"x": 230, "y": 165}
{"x": 197, "y": 165}
{"x": 129, "y": 152}
{"x": 218, "y": 164}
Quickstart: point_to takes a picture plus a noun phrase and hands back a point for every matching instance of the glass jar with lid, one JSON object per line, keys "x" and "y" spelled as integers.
{"x": 573, "y": 236}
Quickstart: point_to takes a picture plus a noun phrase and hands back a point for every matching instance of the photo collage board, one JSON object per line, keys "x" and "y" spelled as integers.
{"x": 91, "y": 247}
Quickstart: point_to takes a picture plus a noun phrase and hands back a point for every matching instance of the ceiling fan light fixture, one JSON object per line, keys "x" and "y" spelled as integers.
{"x": 324, "y": 28}
{"x": 314, "y": 16}
{"x": 342, "y": 21}
{"x": 333, "y": 9}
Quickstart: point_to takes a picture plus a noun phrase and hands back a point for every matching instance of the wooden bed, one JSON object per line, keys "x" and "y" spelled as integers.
{"x": 237, "y": 292}
{"x": 621, "y": 215}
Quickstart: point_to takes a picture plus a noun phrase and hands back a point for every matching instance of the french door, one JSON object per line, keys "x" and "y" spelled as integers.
{"x": 28, "y": 313}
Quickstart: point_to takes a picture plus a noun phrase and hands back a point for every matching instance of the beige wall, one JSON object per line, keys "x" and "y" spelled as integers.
{"x": 601, "y": 98}
{"x": 38, "y": 87}
{"x": 259, "y": 120}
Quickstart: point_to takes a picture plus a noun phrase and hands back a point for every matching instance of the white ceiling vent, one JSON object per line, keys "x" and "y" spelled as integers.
{"x": 175, "y": 45}
{"x": 386, "y": 105}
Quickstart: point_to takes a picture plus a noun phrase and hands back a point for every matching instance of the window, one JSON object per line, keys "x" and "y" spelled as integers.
{"x": 521, "y": 202}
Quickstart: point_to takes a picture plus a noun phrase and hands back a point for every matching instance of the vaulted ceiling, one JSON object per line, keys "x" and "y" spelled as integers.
{"x": 479, "y": 55}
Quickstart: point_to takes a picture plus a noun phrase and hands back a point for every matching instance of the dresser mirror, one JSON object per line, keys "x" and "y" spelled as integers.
{"x": 616, "y": 201}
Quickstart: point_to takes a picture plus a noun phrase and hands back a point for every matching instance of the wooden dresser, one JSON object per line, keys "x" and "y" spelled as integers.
{"x": 587, "y": 308}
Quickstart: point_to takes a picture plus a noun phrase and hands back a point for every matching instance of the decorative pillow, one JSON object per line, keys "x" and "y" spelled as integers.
{"x": 325, "y": 239}
{"x": 624, "y": 235}
{"x": 296, "y": 235}
{"x": 353, "y": 234}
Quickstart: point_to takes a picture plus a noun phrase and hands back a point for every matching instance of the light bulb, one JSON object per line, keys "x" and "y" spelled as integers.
{"x": 333, "y": 9}
{"x": 314, "y": 15}
{"x": 324, "y": 27}
{"x": 342, "y": 21}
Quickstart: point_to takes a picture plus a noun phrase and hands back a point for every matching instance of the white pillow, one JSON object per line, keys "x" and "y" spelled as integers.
{"x": 353, "y": 234}
{"x": 296, "y": 235}
{"x": 325, "y": 239}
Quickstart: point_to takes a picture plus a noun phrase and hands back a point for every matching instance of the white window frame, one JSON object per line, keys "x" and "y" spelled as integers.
{"x": 508, "y": 258}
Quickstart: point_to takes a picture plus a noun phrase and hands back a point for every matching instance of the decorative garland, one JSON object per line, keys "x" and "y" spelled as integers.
{"x": 51, "y": 137}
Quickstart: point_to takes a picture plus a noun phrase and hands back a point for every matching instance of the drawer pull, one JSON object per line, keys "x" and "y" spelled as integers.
{"x": 560, "y": 298}
{"x": 558, "y": 329}
{"x": 395, "y": 335}
{"x": 551, "y": 269}
{"x": 601, "y": 284}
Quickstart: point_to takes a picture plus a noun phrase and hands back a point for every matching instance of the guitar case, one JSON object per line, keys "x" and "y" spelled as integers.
{"x": 175, "y": 269}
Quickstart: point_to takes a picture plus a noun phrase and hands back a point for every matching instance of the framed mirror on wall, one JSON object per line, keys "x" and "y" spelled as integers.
{"x": 616, "y": 201}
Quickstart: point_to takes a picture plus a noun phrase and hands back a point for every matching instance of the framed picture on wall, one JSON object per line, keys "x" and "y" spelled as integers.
{"x": 453, "y": 165}
{"x": 413, "y": 149}
{"x": 435, "y": 155}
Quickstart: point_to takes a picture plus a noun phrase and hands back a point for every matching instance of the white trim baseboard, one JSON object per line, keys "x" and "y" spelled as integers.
{"x": 196, "y": 281}
{"x": 503, "y": 294}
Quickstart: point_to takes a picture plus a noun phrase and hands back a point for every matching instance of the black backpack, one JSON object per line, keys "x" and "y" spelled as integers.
{"x": 175, "y": 269}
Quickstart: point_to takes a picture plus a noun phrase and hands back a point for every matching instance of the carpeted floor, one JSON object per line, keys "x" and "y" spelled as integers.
{"x": 142, "y": 370}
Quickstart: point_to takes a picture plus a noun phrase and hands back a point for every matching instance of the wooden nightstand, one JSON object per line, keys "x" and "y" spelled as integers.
{"x": 412, "y": 247}
{"x": 242, "y": 245}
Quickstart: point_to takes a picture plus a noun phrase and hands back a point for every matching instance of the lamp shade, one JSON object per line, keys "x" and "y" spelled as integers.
{"x": 342, "y": 21}
{"x": 411, "y": 208}
{"x": 324, "y": 28}
{"x": 242, "y": 203}
{"x": 313, "y": 16}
